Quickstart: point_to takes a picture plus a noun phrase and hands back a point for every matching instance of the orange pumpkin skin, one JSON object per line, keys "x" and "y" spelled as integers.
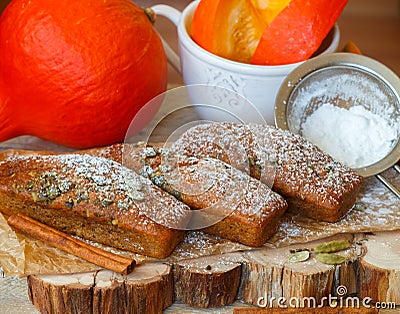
{"x": 203, "y": 24}
{"x": 76, "y": 72}
{"x": 297, "y": 31}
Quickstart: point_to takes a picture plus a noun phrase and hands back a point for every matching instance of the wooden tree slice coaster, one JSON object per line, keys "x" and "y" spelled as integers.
{"x": 269, "y": 277}
{"x": 148, "y": 289}
{"x": 380, "y": 267}
{"x": 205, "y": 282}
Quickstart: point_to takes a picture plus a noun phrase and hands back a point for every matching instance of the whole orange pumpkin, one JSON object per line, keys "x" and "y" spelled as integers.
{"x": 75, "y": 72}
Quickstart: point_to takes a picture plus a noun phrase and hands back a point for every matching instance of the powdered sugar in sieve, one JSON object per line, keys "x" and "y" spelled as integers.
{"x": 349, "y": 106}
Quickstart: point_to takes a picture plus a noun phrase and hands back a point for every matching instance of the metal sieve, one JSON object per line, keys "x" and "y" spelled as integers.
{"x": 343, "y": 80}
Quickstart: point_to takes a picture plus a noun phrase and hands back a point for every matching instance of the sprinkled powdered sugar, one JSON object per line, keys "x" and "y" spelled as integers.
{"x": 225, "y": 141}
{"x": 303, "y": 166}
{"x": 299, "y": 165}
{"x": 211, "y": 185}
{"x": 225, "y": 200}
{"x": 226, "y": 187}
{"x": 116, "y": 190}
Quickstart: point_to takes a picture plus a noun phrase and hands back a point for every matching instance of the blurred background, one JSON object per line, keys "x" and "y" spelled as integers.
{"x": 373, "y": 25}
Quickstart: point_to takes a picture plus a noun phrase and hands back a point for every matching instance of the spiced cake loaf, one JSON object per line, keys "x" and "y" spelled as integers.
{"x": 226, "y": 202}
{"x": 94, "y": 198}
{"x": 311, "y": 181}
{"x": 233, "y": 205}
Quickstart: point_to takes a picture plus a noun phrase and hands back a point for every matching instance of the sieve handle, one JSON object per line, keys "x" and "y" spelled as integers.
{"x": 386, "y": 183}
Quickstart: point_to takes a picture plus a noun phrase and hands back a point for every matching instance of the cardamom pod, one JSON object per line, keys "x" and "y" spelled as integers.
{"x": 332, "y": 246}
{"x": 300, "y": 256}
{"x": 330, "y": 258}
{"x": 359, "y": 206}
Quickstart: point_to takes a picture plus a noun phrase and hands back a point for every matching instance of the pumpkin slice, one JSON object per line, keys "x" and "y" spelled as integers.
{"x": 269, "y": 9}
{"x": 232, "y": 28}
{"x": 202, "y": 27}
{"x": 297, "y": 31}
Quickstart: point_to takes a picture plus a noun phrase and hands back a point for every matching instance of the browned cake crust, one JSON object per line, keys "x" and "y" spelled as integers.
{"x": 94, "y": 198}
{"x": 256, "y": 209}
{"x": 249, "y": 210}
{"x": 9, "y": 153}
{"x": 310, "y": 180}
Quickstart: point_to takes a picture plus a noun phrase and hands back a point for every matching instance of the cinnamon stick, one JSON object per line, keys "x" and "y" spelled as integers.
{"x": 58, "y": 239}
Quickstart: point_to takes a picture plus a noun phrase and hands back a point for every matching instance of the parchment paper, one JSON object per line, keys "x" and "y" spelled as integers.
{"x": 21, "y": 255}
